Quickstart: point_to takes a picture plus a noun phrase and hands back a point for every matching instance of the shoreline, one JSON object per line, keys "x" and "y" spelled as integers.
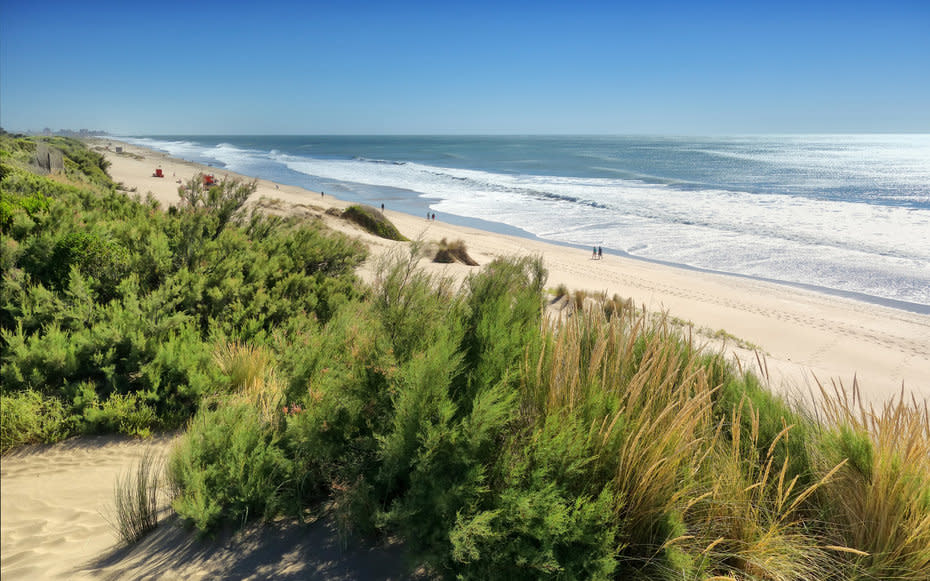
{"x": 805, "y": 334}
{"x": 425, "y": 200}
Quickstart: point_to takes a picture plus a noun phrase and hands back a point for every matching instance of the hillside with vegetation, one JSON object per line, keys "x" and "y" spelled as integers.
{"x": 493, "y": 442}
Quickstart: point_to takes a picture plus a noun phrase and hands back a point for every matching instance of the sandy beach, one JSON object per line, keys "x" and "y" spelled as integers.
{"x": 55, "y": 498}
{"x": 803, "y": 334}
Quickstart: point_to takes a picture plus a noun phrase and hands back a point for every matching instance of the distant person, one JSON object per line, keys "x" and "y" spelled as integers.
{"x": 434, "y": 217}
{"x": 594, "y": 252}
{"x": 600, "y": 253}
{"x": 382, "y": 207}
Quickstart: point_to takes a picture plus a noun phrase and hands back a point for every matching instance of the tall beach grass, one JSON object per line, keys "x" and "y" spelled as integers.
{"x": 136, "y": 498}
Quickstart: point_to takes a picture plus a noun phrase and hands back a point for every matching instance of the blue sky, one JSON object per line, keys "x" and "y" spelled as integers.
{"x": 693, "y": 68}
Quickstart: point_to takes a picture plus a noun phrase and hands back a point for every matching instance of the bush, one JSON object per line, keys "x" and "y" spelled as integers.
{"x": 373, "y": 222}
{"x": 228, "y": 468}
{"x": 121, "y": 413}
{"x": 505, "y": 308}
{"x": 129, "y": 309}
{"x": 29, "y": 418}
{"x": 103, "y": 260}
{"x": 546, "y": 518}
{"x": 89, "y": 165}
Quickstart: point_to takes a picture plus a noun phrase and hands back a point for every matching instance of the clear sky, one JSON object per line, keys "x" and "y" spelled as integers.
{"x": 465, "y": 67}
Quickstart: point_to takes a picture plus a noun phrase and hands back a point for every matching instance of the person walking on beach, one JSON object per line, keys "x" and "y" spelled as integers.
{"x": 600, "y": 253}
{"x": 594, "y": 253}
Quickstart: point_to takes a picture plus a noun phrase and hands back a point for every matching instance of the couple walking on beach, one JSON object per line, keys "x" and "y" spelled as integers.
{"x": 597, "y": 253}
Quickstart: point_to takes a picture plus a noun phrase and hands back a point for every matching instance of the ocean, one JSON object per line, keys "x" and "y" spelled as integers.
{"x": 844, "y": 214}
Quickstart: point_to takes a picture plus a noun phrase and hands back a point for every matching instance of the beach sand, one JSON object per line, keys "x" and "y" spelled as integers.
{"x": 802, "y": 334}
{"x": 56, "y": 501}
{"x": 53, "y": 496}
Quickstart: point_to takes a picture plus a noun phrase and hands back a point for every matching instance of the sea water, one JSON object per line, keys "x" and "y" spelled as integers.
{"x": 848, "y": 214}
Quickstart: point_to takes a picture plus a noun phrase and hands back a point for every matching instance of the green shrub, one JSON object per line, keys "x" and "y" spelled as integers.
{"x": 372, "y": 221}
{"x": 341, "y": 379}
{"x": 85, "y": 163}
{"x": 422, "y": 388}
{"x": 125, "y": 414}
{"x": 102, "y": 259}
{"x": 547, "y": 516}
{"x": 30, "y": 418}
{"x": 505, "y": 305}
{"x": 539, "y": 533}
{"x": 20, "y": 213}
{"x": 450, "y": 473}
{"x": 413, "y": 306}
{"x": 134, "y": 304}
{"x": 228, "y": 468}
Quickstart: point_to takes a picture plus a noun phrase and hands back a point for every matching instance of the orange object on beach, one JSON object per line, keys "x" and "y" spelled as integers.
{"x": 158, "y": 173}
{"x": 209, "y": 180}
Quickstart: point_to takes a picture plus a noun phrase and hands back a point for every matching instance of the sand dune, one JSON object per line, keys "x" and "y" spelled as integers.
{"x": 55, "y": 503}
{"x": 54, "y": 497}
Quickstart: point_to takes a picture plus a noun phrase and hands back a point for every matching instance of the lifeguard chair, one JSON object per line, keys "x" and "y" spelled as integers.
{"x": 158, "y": 173}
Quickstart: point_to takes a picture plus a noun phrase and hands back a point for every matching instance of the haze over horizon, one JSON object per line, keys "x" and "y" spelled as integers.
{"x": 475, "y": 68}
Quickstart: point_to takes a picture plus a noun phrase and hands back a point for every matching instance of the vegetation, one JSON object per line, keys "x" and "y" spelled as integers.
{"x": 494, "y": 443}
{"x": 136, "y": 495}
{"x": 373, "y": 222}
{"x": 449, "y": 252}
{"x": 111, "y": 310}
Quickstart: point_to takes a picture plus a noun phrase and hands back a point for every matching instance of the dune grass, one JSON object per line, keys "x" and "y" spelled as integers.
{"x": 455, "y": 251}
{"x": 880, "y": 498}
{"x": 604, "y": 445}
{"x": 136, "y": 496}
{"x": 373, "y": 221}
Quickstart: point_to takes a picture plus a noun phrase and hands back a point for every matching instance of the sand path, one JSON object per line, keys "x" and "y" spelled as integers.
{"x": 54, "y": 502}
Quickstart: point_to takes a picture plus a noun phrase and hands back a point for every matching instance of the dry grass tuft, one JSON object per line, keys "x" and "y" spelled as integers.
{"x": 136, "y": 499}
{"x": 455, "y": 251}
{"x": 252, "y": 376}
{"x": 881, "y": 496}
